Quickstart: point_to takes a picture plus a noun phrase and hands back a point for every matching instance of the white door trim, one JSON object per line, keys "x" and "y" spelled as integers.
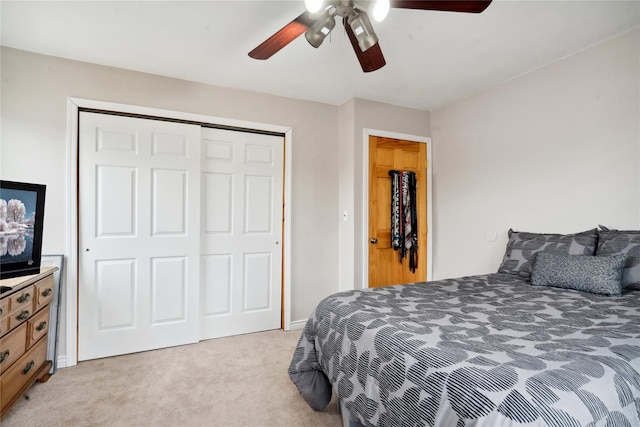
{"x": 73, "y": 107}
{"x": 365, "y": 197}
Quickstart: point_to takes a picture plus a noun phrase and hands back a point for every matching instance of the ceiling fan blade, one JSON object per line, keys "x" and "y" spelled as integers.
{"x": 282, "y": 37}
{"x": 471, "y": 6}
{"x": 370, "y": 60}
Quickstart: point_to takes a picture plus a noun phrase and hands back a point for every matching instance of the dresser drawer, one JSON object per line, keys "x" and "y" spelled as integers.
{"x": 43, "y": 292}
{"x": 12, "y": 346}
{"x": 23, "y": 370}
{"x": 37, "y": 326}
{"x": 22, "y": 298}
{"x": 19, "y": 316}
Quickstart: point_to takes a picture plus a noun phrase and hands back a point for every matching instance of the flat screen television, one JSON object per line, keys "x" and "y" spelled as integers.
{"x": 21, "y": 224}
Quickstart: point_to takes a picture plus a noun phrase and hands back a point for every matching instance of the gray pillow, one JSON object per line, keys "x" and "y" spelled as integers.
{"x": 613, "y": 242}
{"x": 594, "y": 274}
{"x": 522, "y": 248}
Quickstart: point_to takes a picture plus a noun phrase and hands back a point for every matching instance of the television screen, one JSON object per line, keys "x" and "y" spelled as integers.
{"x": 21, "y": 224}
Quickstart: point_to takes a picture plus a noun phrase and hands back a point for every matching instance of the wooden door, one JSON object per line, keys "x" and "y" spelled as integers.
{"x": 139, "y": 217}
{"x": 387, "y": 154}
{"x": 241, "y": 242}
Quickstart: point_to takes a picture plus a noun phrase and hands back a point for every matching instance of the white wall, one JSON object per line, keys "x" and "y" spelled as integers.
{"x": 33, "y": 136}
{"x": 327, "y": 152}
{"x": 556, "y": 150}
{"x": 346, "y": 171}
{"x": 356, "y": 115}
{"x": 374, "y": 115}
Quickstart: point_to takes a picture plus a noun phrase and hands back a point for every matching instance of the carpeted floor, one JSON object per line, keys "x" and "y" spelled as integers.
{"x": 235, "y": 381}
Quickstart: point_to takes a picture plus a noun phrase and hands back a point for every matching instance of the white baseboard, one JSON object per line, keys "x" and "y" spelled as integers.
{"x": 62, "y": 362}
{"x": 297, "y": 324}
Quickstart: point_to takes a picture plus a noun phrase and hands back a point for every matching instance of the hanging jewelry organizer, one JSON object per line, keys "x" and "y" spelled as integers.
{"x": 404, "y": 216}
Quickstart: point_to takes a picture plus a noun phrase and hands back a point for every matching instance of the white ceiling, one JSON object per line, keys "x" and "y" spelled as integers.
{"x": 433, "y": 58}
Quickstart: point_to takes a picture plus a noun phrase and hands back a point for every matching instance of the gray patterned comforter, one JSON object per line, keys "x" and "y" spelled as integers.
{"x": 487, "y": 350}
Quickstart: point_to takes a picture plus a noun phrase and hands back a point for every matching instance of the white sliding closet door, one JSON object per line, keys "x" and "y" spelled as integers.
{"x": 139, "y": 191}
{"x": 241, "y": 265}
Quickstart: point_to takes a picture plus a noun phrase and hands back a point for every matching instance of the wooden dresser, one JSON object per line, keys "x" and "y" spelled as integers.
{"x": 24, "y": 327}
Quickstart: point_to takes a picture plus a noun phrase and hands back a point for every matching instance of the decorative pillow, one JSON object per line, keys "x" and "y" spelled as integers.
{"x": 595, "y": 274}
{"x": 522, "y": 248}
{"x": 612, "y": 242}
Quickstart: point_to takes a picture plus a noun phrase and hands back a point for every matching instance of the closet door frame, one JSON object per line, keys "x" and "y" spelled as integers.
{"x": 74, "y": 106}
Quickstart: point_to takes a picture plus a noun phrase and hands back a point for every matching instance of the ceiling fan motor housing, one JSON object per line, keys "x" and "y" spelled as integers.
{"x": 344, "y": 8}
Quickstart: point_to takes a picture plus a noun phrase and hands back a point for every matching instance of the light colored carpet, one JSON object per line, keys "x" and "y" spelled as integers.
{"x": 235, "y": 381}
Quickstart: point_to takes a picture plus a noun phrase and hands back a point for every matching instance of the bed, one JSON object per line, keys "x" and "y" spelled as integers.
{"x": 503, "y": 349}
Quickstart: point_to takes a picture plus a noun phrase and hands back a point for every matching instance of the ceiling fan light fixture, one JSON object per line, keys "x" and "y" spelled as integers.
{"x": 313, "y": 6}
{"x": 363, "y": 30}
{"x": 316, "y": 34}
{"x": 380, "y": 10}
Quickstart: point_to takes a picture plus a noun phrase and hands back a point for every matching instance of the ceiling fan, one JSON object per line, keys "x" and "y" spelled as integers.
{"x": 320, "y": 18}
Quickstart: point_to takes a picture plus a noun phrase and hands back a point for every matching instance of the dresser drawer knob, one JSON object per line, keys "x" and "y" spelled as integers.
{"x": 27, "y": 368}
{"x": 23, "y": 315}
{"x": 41, "y": 326}
{"x": 46, "y": 292}
{"x": 4, "y": 356}
{"x": 24, "y": 298}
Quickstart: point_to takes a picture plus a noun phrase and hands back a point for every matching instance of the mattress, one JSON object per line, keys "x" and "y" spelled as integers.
{"x": 488, "y": 350}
